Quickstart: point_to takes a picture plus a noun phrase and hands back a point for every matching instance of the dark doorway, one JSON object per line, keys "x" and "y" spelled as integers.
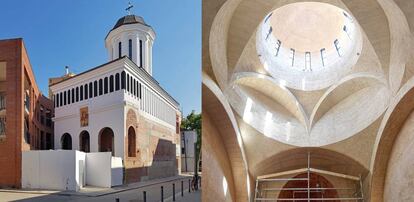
{"x": 106, "y": 140}
{"x": 66, "y": 141}
{"x": 84, "y": 141}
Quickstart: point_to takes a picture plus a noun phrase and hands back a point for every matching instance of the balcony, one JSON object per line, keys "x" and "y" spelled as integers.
{"x": 2, "y": 127}
{"x": 2, "y": 105}
{"x": 27, "y": 104}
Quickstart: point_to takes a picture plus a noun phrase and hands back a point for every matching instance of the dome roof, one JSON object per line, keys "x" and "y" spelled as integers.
{"x": 129, "y": 19}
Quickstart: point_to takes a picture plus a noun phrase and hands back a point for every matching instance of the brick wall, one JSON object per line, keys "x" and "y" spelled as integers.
{"x": 155, "y": 149}
{"x": 19, "y": 72}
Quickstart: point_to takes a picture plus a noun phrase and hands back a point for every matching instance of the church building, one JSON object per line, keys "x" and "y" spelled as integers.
{"x": 119, "y": 107}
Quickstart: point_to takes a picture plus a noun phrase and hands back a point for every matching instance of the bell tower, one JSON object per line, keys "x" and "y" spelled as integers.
{"x": 133, "y": 38}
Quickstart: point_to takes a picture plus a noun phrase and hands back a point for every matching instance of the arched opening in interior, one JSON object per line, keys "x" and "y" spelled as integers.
{"x": 319, "y": 186}
{"x": 131, "y": 142}
{"x": 106, "y": 140}
{"x": 292, "y": 170}
{"x": 393, "y": 156}
{"x": 84, "y": 141}
{"x": 66, "y": 141}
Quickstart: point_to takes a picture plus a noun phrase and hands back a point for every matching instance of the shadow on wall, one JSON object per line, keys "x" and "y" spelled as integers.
{"x": 161, "y": 163}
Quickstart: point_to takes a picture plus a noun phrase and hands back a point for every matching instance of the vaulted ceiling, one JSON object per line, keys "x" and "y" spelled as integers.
{"x": 273, "y": 117}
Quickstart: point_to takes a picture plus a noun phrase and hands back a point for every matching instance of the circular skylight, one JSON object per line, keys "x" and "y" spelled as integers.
{"x": 308, "y": 45}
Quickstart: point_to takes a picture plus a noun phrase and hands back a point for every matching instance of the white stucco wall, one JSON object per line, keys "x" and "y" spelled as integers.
{"x": 70, "y": 170}
{"x": 135, "y": 32}
{"x": 108, "y": 110}
{"x": 50, "y": 170}
{"x": 98, "y": 169}
{"x": 116, "y": 171}
{"x": 104, "y": 111}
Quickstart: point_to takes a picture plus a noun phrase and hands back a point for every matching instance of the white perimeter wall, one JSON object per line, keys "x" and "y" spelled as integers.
{"x": 98, "y": 169}
{"x": 117, "y": 171}
{"x": 69, "y": 170}
{"x": 50, "y": 170}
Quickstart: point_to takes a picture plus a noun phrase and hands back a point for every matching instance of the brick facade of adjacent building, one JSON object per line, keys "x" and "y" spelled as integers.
{"x": 27, "y": 112}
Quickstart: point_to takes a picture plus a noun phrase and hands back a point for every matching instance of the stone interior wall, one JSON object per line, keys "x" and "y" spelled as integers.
{"x": 155, "y": 155}
{"x": 399, "y": 180}
{"x": 219, "y": 170}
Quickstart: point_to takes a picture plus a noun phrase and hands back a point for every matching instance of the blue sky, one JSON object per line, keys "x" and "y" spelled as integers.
{"x": 62, "y": 32}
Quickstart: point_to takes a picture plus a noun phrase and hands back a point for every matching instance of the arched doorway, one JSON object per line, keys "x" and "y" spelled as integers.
{"x": 131, "y": 142}
{"x": 66, "y": 141}
{"x": 320, "y": 187}
{"x": 106, "y": 140}
{"x": 84, "y": 141}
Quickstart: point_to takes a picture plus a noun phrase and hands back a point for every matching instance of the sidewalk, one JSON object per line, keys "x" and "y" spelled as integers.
{"x": 131, "y": 192}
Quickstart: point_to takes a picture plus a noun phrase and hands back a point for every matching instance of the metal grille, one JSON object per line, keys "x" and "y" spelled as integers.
{"x": 344, "y": 193}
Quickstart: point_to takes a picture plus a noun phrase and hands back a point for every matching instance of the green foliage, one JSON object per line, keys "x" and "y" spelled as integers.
{"x": 193, "y": 122}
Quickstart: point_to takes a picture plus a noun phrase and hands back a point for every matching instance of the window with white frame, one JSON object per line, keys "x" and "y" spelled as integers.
{"x": 292, "y": 56}
{"x": 308, "y": 61}
{"x": 277, "y": 48}
{"x": 338, "y": 47}
{"x": 323, "y": 56}
{"x": 268, "y": 33}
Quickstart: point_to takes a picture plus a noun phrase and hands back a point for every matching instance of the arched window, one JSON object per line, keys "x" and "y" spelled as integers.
{"x": 106, "y": 140}
{"x": 292, "y": 56}
{"x": 106, "y": 85}
{"x": 111, "y": 83}
{"x": 269, "y": 32}
{"x": 73, "y": 95}
{"x": 134, "y": 87}
{"x": 77, "y": 94}
{"x": 81, "y": 93}
{"x": 117, "y": 81}
{"x": 278, "y": 43}
{"x": 323, "y": 56}
{"x": 90, "y": 90}
{"x": 140, "y": 91}
{"x": 86, "y": 91}
{"x": 130, "y": 49}
{"x": 128, "y": 82}
{"x": 119, "y": 49}
{"x": 65, "y": 98}
{"x": 95, "y": 88}
{"x": 100, "y": 87}
{"x": 131, "y": 142}
{"x": 57, "y": 99}
{"x": 137, "y": 87}
{"x": 84, "y": 142}
{"x": 69, "y": 96}
{"x": 140, "y": 53}
{"x": 308, "y": 66}
{"x": 123, "y": 80}
{"x": 338, "y": 47}
{"x": 66, "y": 141}
{"x": 61, "y": 100}
{"x": 267, "y": 18}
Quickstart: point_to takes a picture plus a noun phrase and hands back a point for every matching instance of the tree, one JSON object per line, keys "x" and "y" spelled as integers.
{"x": 193, "y": 122}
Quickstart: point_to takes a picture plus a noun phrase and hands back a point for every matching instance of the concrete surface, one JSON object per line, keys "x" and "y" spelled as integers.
{"x": 131, "y": 193}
